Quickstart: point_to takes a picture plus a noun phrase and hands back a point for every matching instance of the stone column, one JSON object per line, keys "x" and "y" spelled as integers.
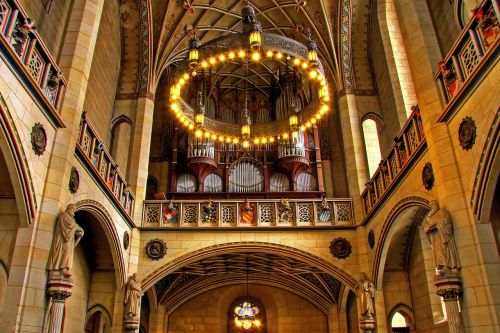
{"x": 354, "y": 150}
{"x": 139, "y": 152}
{"x": 449, "y": 287}
{"x": 58, "y": 290}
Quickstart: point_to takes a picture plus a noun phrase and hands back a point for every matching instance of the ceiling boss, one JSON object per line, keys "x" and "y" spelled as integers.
{"x": 253, "y": 50}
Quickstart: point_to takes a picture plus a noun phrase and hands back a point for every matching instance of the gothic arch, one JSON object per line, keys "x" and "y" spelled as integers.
{"x": 406, "y": 311}
{"x": 420, "y": 206}
{"x": 99, "y": 308}
{"x": 249, "y": 247}
{"x": 114, "y": 241}
{"x": 17, "y": 165}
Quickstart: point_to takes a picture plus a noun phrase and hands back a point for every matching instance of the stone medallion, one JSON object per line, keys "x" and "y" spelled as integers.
{"x": 467, "y": 133}
{"x": 74, "y": 180}
{"x": 156, "y": 249}
{"x": 340, "y": 248}
{"x": 126, "y": 240}
{"x": 428, "y": 176}
{"x": 38, "y": 139}
{"x": 371, "y": 239}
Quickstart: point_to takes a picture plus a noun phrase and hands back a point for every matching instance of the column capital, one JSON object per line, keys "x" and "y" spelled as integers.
{"x": 59, "y": 289}
{"x": 449, "y": 286}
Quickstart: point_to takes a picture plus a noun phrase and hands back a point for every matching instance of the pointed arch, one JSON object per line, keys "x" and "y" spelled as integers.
{"x": 114, "y": 241}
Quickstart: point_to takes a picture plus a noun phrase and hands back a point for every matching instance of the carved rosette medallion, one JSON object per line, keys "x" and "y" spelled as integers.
{"x": 156, "y": 249}
{"x": 74, "y": 180}
{"x": 371, "y": 239}
{"x": 428, "y": 176}
{"x": 126, "y": 240}
{"x": 38, "y": 139}
{"x": 467, "y": 133}
{"x": 340, "y": 248}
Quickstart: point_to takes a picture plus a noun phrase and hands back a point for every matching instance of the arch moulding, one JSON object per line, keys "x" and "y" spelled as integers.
{"x": 106, "y": 222}
{"x": 383, "y": 241}
{"x": 248, "y": 247}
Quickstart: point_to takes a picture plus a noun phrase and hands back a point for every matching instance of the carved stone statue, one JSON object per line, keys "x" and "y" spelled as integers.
{"x": 439, "y": 230}
{"x": 66, "y": 236}
{"x": 367, "y": 295}
{"x": 132, "y": 297}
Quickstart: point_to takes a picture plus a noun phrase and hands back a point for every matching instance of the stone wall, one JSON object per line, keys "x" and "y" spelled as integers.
{"x": 285, "y": 312}
{"x": 100, "y": 98}
{"x": 445, "y": 23}
{"x": 51, "y": 24}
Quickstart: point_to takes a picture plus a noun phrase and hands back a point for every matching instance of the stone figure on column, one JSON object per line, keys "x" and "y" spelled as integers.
{"x": 67, "y": 234}
{"x": 132, "y": 297}
{"x": 367, "y": 295}
{"x": 439, "y": 231}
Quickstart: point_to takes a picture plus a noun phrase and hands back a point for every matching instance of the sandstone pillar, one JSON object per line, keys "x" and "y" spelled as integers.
{"x": 139, "y": 153}
{"x": 58, "y": 290}
{"x": 354, "y": 149}
{"x": 449, "y": 286}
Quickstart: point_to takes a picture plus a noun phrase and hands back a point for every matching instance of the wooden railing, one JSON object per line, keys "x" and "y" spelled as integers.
{"x": 99, "y": 161}
{"x": 474, "y": 51}
{"x": 254, "y": 213}
{"x": 406, "y": 146}
{"x": 22, "y": 42}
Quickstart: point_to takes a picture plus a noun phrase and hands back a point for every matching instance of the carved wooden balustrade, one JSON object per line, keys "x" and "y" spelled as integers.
{"x": 22, "y": 44}
{"x": 407, "y": 145}
{"x": 254, "y": 213}
{"x": 473, "y": 53}
{"x": 98, "y": 160}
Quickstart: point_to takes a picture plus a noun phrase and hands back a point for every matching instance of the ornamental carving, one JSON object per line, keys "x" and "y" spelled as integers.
{"x": 156, "y": 249}
{"x": 340, "y": 248}
{"x": 126, "y": 240}
{"x": 371, "y": 239}
{"x": 74, "y": 180}
{"x": 428, "y": 176}
{"x": 38, "y": 139}
{"x": 467, "y": 133}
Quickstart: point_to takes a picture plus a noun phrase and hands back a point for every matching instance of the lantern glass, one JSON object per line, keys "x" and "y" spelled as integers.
{"x": 294, "y": 121}
{"x": 313, "y": 56}
{"x": 200, "y": 119}
{"x": 245, "y": 131}
{"x": 193, "y": 57}
{"x": 255, "y": 40}
{"x": 323, "y": 93}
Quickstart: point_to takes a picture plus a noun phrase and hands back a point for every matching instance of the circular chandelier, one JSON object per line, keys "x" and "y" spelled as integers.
{"x": 246, "y": 316}
{"x": 250, "y": 46}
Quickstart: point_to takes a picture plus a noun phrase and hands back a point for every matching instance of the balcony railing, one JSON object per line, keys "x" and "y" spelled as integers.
{"x": 255, "y": 213}
{"x": 403, "y": 151}
{"x": 99, "y": 161}
{"x": 474, "y": 51}
{"x": 22, "y": 42}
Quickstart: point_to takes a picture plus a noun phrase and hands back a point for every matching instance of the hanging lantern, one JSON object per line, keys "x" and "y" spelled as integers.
{"x": 245, "y": 131}
{"x": 324, "y": 96}
{"x": 294, "y": 122}
{"x": 200, "y": 119}
{"x": 194, "y": 53}
{"x": 255, "y": 40}
{"x": 312, "y": 53}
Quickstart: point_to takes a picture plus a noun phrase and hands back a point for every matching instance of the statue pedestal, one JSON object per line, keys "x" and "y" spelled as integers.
{"x": 131, "y": 324}
{"x": 367, "y": 324}
{"x": 58, "y": 289}
{"x": 449, "y": 287}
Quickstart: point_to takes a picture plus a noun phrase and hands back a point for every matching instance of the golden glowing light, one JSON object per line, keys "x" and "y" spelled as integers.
{"x": 212, "y": 61}
{"x": 269, "y": 54}
{"x": 246, "y": 144}
{"x": 198, "y": 133}
{"x": 242, "y": 54}
{"x": 313, "y": 74}
{"x": 231, "y": 55}
{"x": 279, "y": 55}
{"x": 222, "y": 58}
{"x": 255, "y": 56}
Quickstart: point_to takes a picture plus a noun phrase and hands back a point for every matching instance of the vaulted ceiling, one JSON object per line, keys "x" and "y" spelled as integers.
{"x": 156, "y": 34}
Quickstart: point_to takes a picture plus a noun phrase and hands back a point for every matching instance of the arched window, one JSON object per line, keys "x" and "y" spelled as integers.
{"x": 372, "y": 145}
{"x": 246, "y": 177}
{"x": 212, "y": 183}
{"x": 399, "y": 324}
{"x": 247, "y": 314}
{"x": 306, "y": 182}
{"x": 186, "y": 183}
{"x": 279, "y": 183}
